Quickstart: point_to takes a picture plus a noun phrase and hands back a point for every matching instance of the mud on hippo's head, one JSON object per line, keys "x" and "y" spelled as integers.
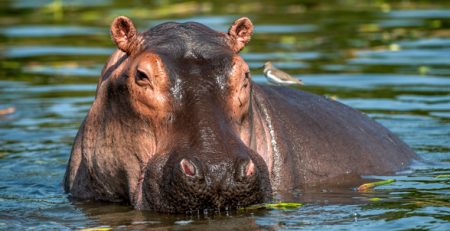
{"x": 187, "y": 94}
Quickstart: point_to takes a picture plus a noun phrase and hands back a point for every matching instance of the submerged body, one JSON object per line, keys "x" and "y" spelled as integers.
{"x": 178, "y": 125}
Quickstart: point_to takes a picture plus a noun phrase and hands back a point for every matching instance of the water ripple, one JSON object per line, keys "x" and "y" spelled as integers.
{"x": 32, "y": 51}
{"x": 49, "y": 31}
{"x": 429, "y": 13}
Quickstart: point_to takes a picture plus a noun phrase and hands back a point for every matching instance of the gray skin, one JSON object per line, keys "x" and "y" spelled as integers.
{"x": 177, "y": 125}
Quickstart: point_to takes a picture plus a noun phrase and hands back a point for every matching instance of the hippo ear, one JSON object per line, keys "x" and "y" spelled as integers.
{"x": 123, "y": 33}
{"x": 240, "y": 33}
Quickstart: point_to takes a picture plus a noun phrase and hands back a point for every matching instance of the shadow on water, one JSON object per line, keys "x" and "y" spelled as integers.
{"x": 389, "y": 59}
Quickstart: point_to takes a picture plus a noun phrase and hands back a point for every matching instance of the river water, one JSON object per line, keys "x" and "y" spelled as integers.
{"x": 389, "y": 59}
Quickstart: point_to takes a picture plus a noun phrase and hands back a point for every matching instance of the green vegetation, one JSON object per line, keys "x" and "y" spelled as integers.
{"x": 369, "y": 186}
{"x": 279, "y": 206}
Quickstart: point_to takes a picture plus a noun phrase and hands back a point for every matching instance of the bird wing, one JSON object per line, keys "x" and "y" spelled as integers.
{"x": 284, "y": 76}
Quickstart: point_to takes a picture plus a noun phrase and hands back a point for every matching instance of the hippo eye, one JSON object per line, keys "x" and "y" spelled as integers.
{"x": 142, "y": 79}
{"x": 247, "y": 79}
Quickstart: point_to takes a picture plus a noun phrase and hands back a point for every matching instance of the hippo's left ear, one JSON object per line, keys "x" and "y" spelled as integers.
{"x": 240, "y": 33}
{"x": 123, "y": 33}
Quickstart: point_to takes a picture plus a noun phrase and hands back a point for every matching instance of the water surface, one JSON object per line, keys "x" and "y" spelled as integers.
{"x": 390, "y": 59}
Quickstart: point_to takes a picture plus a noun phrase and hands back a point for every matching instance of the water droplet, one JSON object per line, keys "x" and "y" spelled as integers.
{"x": 182, "y": 222}
{"x": 355, "y": 216}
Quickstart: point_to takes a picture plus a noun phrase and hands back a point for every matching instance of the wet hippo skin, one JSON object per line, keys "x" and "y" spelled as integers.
{"x": 177, "y": 125}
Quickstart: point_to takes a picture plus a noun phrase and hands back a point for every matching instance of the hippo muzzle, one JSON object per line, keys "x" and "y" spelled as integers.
{"x": 191, "y": 184}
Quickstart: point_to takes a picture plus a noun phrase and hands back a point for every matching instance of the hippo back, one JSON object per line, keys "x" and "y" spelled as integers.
{"x": 318, "y": 140}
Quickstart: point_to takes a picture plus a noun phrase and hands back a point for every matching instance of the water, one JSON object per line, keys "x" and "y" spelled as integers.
{"x": 390, "y": 59}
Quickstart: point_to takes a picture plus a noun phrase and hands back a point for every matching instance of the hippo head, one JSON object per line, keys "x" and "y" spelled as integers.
{"x": 180, "y": 96}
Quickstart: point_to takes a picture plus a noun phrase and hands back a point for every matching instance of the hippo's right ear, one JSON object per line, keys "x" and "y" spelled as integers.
{"x": 240, "y": 33}
{"x": 123, "y": 33}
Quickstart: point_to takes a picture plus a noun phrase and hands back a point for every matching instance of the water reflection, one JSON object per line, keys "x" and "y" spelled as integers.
{"x": 123, "y": 217}
{"x": 30, "y": 51}
{"x": 50, "y": 31}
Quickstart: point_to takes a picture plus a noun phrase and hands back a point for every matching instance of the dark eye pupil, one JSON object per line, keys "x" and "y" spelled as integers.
{"x": 246, "y": 80}
{"x": 141, "y": 75}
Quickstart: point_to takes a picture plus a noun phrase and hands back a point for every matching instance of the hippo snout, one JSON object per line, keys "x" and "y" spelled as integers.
{"x": 242, "y": 169}
{"x": 191, "y": 183}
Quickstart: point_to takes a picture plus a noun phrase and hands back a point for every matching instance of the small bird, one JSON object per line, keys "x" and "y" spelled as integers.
{"x": 279, "y": 77}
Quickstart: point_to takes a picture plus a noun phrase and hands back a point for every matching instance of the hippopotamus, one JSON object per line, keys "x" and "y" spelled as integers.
{"x": 178, "y": 125}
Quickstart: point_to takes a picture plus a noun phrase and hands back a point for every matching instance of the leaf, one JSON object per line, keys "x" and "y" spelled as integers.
{"x": 423, "y": 70}
{"x": 97, "y": 229}
{"x": 284, "y": 205}
{"x": 253, "y": 207}
{"x": 442, "y": 176}
{"x": 367, "y": 186}
{"x": 279, "y": 206}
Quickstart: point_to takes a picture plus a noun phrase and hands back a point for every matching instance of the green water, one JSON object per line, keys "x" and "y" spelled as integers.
{"x": 390, "y": 59}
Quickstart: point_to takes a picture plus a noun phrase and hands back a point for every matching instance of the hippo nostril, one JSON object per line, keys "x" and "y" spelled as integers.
{"x": 250, "y": 168}
{"x": 247, "y": 169}
{"x": 188, "y": 167}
